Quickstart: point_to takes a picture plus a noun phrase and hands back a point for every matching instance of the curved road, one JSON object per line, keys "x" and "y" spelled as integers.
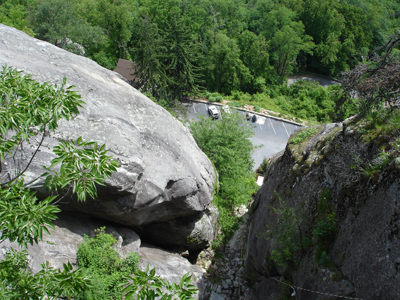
{"x": 270, "y": 133}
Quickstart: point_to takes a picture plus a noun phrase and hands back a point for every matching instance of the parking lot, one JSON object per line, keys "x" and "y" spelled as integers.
{"x": 272, "y": 134}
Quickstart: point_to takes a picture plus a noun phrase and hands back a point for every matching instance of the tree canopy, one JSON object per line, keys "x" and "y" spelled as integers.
{"x": 200, "y": 44}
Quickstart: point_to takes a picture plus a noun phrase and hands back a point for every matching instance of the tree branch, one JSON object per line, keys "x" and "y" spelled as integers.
{"x": 30, "y": 161}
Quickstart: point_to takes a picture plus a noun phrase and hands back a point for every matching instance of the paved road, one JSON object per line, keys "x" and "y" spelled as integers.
{"x": 322, "y": 80}
{"x": 271, "y": 134}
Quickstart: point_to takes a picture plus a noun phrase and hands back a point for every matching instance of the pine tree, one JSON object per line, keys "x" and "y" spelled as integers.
{"x": 180, "y": 59}
{"x": 146, "y": 50}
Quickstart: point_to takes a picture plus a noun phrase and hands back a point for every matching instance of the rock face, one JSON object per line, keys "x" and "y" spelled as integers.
{"x": 170, "y": 266}
{"x": 227, "y": 277}
{"x": 344, "y": 239}
{"x": 70, "y": 46}
{"x": 192, "y": 232}
{"x": 61, "y": 245}
{"x": 163, "y": 174}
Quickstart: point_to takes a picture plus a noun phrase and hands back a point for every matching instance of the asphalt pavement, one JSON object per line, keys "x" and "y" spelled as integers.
{"x": 270, "y": 135}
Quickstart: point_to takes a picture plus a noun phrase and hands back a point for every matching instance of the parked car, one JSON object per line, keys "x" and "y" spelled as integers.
{"x": 213, "y": 112}
{"x": 251, "y": 117}
{"x": 226, "y": 109}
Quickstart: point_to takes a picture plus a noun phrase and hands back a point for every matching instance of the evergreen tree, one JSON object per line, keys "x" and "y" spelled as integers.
{"x": 180, "y": 59}
{"x": 145, "y": 50}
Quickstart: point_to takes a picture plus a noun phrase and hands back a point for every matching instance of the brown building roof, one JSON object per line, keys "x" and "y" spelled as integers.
{"x": 124, "y": 68}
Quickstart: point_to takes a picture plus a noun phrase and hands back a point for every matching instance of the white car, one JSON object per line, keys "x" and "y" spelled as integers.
{"x": 226, "y": 109}
{"x": 213, "y": 112}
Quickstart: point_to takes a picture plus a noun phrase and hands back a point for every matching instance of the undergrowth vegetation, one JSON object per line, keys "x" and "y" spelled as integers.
{"x": 262, "y": 169}
{"x": 302, "y": 135}
{"x": 103, "y": 263}
{"x": 115, "y": 278}
{"x": 291, "y": 238}
{"x": 385, "y": 132}
{"x": 379, "y": 123}
{"x": 29, "y": 112}
{"x": 325, "y": 228}
{"x": 286, "y": 235}
{"x": 226, "y": 143}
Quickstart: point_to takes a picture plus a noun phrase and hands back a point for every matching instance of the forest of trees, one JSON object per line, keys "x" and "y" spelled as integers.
{"x": 189, "y": 47}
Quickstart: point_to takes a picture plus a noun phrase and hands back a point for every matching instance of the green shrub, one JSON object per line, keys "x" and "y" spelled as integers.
{"x": 214, "y": 97}
{"x": 29, "y": 110}
{"x": 262, "y": 169}
{"x": 236, "y": 95}
{"x": 376, "y": 127}
{"x": 288, "y": 240}
{"x": 302, "y": 135}
{"x": 103, "y": 263}
{"x": 235, "y": 104}
{"x": 228, "y": 223}
{"x": 246, "y": 97}
{"x": 147, "y": 285}
{"x": 239, "y": 95}
{"x": 302, "y": 114}
{"x": 104, "y": 60}
{"x": 116, "y": 278}
{"x": 227, "y": 145}
{"x": 377, "y": 164}
{"x": 326, "y": 228}
{"x": 304, "y": 99}
{"x": 325, "y": 261}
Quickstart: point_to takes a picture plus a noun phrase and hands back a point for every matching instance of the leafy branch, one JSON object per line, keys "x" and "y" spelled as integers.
{"x": 146, "y": 285}
{"x": 82, "y": 164}
{"x": 26, "y": 109}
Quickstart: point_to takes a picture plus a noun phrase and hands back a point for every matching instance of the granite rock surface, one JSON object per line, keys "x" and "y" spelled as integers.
{"x": 163, "y": 175}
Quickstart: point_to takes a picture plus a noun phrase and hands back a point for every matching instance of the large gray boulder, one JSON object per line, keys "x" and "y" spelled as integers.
{"x": 163, "y": 174}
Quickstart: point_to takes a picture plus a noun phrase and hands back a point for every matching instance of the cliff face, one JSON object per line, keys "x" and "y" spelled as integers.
{"x": 327, "y": 218}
